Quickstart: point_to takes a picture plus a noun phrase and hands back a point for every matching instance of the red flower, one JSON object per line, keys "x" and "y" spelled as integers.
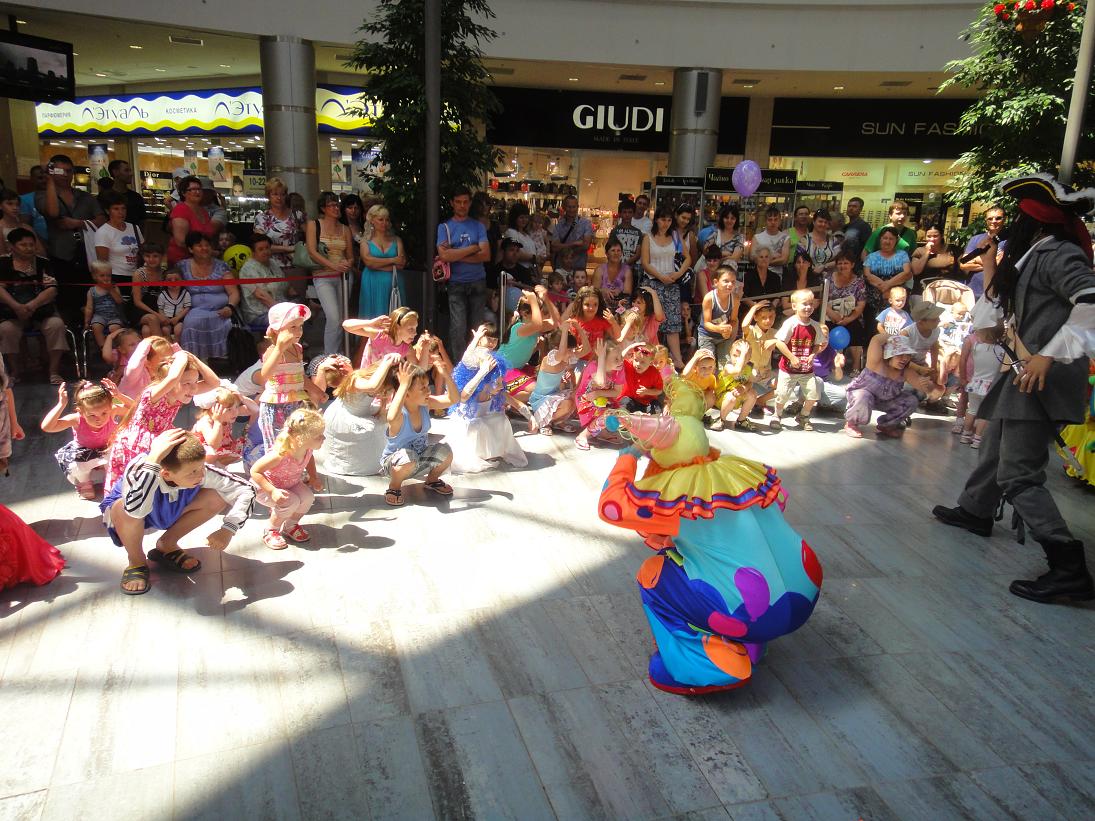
{"x": 1047, "y": 5}
{"x": 998, "y": 9}
{"x": 1031, "y": 5}
{"x": 1071, "y": 6}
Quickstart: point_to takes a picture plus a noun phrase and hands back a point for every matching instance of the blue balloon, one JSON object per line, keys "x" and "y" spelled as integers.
{"x": 612, "y": 423}
{"x": 839, "y": 338}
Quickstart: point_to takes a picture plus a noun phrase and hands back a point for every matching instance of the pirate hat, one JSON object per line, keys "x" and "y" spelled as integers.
{"x": 1045, "y": 199}
{"x": 1043, "y": 188}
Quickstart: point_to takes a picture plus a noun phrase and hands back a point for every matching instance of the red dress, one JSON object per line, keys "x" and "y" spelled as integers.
{"x": 175, "y": 253}
{"x": 24, "y": 555}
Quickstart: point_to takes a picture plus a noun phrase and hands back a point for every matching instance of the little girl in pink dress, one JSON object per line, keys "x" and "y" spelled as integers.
{"x": 156, "y": 409}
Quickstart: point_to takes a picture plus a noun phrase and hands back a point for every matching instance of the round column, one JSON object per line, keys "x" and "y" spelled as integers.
{"x": 289, "y": 111}
{"x": 693, "y": 141}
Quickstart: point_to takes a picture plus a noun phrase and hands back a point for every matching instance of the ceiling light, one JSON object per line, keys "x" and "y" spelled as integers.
{"x": 838, "y": 88}
{"x": 160, "y": 69}
{"x": 224, "y": 65}
{"x": 138, "y": 48}
{"x": 748, "y": 85}
{"x": 99, "y": 74}
{"x": 926, "y": 162}
{"x": 21, "y": 22}
{"x": 573, "y": 79}
{"x": 75, "y": 54}
{"x": 659, "y": 83}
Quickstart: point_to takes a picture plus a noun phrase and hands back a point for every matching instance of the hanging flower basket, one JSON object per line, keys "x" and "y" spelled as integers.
{"x": 1029, "y": 17}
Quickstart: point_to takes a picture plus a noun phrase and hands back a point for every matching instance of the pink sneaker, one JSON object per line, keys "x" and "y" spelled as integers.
{"x": 852, "y": 431}
{"x": 274, "y": 540}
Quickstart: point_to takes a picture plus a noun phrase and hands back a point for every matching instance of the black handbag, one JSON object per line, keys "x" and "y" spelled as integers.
{"x": 242, "y": 350}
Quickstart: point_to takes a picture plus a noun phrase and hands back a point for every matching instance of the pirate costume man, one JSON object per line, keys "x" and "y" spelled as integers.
{"x": 1045, "y": 287}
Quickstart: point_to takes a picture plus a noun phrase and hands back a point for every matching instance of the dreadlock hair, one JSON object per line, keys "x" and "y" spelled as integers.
{"x": 1024, "y": 231}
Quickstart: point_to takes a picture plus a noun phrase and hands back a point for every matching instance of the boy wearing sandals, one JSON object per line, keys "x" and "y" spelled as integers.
{"x": 171, "y": 488}
{"x": 408, "y": 453}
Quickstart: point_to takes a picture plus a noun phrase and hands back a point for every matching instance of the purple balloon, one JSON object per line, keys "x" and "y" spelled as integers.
{"x": 746, "y": 178}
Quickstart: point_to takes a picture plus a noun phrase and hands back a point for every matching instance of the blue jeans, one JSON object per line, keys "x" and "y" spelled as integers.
{"x": 467, "y": 302}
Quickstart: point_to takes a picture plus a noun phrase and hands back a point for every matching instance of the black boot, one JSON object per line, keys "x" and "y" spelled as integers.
{"x": 958, "y": 517}
{"x": 1067, "y": 577}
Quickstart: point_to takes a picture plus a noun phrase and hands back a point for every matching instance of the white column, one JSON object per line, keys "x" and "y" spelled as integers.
{"x": 289, "y": 110}
{"x": 693, "y": 142}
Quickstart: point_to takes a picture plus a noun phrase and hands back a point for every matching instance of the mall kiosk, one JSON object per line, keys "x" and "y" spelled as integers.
{"x": 671, "y": 192}
{"x": 817, "y": 194}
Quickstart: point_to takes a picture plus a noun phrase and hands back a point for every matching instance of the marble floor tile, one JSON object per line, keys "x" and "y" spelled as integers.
{"x": 477, "y": 765}
{"x": 138, "y": 795}
{"x": 310, "y": 681}
{"x": 443, "y": 662}
{"x": 326, "y": 763}
{"x": 228, "y": 697}
{"x": 253, "y": 782}
{"x": 24, "y": 807}
{"x": 392, "y": 770}
{"x": 608, "y": 750}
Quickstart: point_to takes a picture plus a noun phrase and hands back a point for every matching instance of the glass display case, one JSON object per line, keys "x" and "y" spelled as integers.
{"x": 245, "y": 208}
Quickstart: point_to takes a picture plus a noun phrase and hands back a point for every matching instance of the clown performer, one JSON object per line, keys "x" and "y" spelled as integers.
{"x": 1045, "y": 288}
{"x": 729, "y": 574}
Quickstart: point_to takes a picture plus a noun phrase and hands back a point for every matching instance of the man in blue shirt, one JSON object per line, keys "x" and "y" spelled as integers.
{"x": 31, "y": 215}
{"x": 462, "y": 242}
{"x": 574, "y": 232}
{"x": 994, "y": 221}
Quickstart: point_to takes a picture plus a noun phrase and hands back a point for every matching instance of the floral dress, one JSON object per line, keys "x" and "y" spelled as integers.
{"x": 885, "y": 268}
{"x": 150, "y": 419}
{"x": 282, "y": 231}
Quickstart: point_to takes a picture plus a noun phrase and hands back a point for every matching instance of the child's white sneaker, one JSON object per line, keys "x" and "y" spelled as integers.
{"x": 967, "y": 437}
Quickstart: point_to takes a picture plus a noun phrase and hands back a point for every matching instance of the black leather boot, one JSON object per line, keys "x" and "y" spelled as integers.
{"x": 958, "y": 517}
{"x": 1067, "y": 577}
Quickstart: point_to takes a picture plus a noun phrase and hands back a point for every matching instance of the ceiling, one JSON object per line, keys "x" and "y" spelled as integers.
{"x": 115, "y": 56}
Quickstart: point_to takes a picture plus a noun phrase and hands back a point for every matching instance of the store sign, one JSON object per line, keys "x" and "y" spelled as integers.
{"x": 254, "y": 183}
{"x": 868, "y": 128}
{"x": 678, "y": 182}
{"x": 343, "y": 110}
{"x": 933, "y": 173}
{"x": 856, "y": 172}
{"x": 545, "y": 118}
{"x": 819, "y": 187}
{"x": 238, "y": 110}
{"x": 719, "y": 181}
{"x": 777, "y": 181}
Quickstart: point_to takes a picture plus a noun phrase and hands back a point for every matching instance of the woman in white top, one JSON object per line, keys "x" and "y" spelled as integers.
{"x": 519, "y": 224}
{"x": 727, "y": 236}
{"x": 661, "y": 250}
{"x": 118, "y": 241}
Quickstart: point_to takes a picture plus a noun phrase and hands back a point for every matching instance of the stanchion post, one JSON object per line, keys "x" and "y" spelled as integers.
{"x": 432, "y": 69}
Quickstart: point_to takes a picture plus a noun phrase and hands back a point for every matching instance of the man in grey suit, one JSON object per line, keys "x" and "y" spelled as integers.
{"x": 1046, "y": 285}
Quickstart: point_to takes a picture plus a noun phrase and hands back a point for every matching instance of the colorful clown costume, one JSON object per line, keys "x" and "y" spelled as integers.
{"x": 730, "y": 574}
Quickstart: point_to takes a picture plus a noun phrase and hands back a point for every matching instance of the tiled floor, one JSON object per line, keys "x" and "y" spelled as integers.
{"x": 485, "y": 657}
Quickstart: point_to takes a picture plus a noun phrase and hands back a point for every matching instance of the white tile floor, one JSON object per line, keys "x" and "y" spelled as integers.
{"x": 485, "y": 657}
